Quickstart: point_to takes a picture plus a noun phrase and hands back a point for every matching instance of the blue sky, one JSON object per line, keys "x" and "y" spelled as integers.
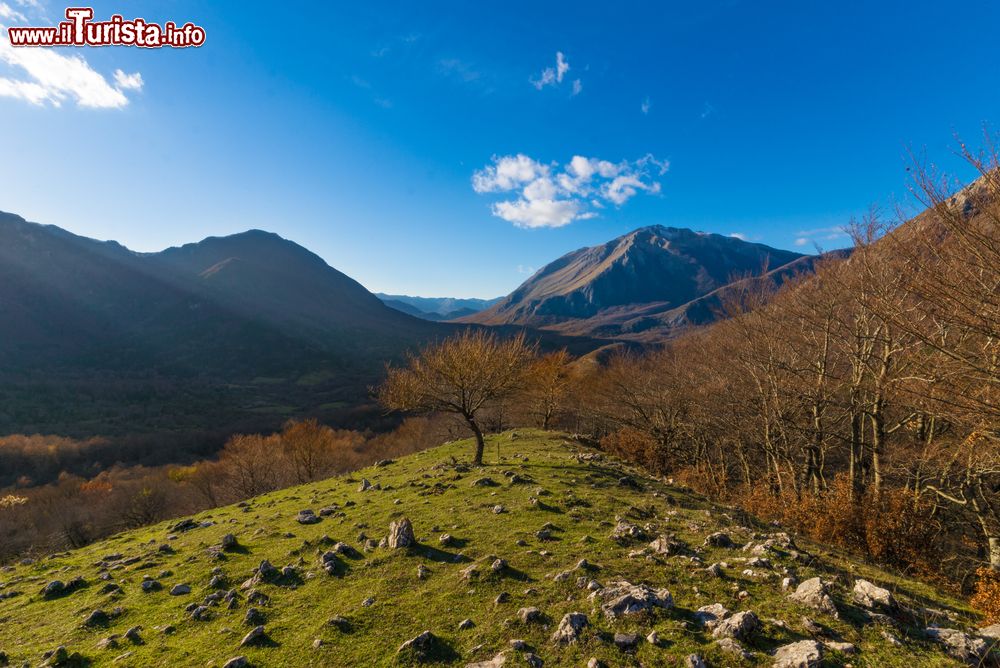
{"x": 428, "y": 148}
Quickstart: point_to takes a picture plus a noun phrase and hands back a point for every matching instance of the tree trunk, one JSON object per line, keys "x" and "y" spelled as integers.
{"x": 480, "y": 443}
{"x": 988, "y": 524}
{"x": 994, "y": 547}
{"x": 878, "y": 445}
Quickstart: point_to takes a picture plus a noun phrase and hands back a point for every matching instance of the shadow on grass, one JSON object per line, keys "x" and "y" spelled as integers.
{"x": 434, "y": 650}
{"x": 545, "y": 507}
{"x": 237, "y": 549}
{"x": 440, "y": 556}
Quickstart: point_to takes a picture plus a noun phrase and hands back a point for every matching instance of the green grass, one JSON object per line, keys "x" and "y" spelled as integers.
{"x": 581, "y": 499}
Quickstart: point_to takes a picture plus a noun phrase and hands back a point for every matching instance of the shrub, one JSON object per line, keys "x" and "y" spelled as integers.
{"x": 986, "y": 597}
{"x": 632, "y": 445}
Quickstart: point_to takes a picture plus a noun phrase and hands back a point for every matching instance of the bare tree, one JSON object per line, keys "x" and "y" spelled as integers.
{"x": 460, "y": 375}
{"x": 249, "y": 461}
{"x": 548, "y": 386}
{"x": 308, "y": 447}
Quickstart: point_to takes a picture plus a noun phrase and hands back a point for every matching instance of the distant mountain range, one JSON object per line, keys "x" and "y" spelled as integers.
{"x": 246, "y": 331}
{"x": 436, "y": 308}
{"x": 191, "y": 343}
{"x": 251, "y": 328}
{"x": 647, "y": 285}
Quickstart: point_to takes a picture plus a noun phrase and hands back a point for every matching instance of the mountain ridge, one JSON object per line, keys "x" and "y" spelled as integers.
{"x": 436, "y": 308}
{"x": 652, "y": 270}
{"x": 196, "y": 326}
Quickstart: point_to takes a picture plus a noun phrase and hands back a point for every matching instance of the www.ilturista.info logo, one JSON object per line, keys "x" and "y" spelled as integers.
{"x": 80, "y": 30}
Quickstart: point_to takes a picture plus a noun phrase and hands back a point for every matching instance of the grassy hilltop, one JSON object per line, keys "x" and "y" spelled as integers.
{"x": 548, "y": 503}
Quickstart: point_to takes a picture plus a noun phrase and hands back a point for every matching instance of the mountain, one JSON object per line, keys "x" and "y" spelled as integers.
{"x": 323, "y": 593}
{"x": 645, "y": 285}
{"x": 95, "y": 338}
{"x": 436, "y": 308}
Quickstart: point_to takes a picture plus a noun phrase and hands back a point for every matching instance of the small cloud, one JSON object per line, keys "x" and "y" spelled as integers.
{"x": 459, "y": 70}
{"x": 34, "y": 4}
{"x": 562, "y": 67}
{"x": 11, "y": 14}
{"x": 815, "y": 236}
{"x": 366, "y": 85}
{"x": 128, "y": 81}
{"x": 646, "y": 106}
{"x": 525, "y": 270}
{"x": 548, "y": 78}
{"x": 738, "y": 235}
{"x": 550, "y": 195}
{"x": 707, "y": 110}
{"x": 553, "y": 76}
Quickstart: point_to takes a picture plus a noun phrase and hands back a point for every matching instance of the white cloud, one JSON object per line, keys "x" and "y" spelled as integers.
{"x": 11, "y": 14}
{"x": 539, "y": 212}
{"x": 562, "y": 67}
{"x": 43, "y": 75}
{"x": 547, "y": 195}
{"x": 507, "y": 173}
{"x": 129, "y": 81}
{"x": 548, "y": 78}
{"x": 622, "y": 188}
{"x": 459, "y": 70}
{"x": 553, "y": 76}
{"x": 35, "y": 4}
{"x": 815, "y": 236}
{"x": 738, "y": 235}
{"x": 525, "y": 269}
{"x": 646, "y": 106}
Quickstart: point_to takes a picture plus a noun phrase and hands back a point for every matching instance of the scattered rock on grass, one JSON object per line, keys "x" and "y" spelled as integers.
{"x": 959, "y": 645}
{"x": 97, "y": 618}
{"x": 421, "y": 646}
{"x": 719, "y": 539}
{"x": 307, "y": 516}
{"x": 871, "y": 596}
{"x": 54, "y": 588}
{"x": 620, "y": 598}
{"x": 802, "y": 654}
{"x": 627, "y": 642}
{"x": 529, "y": 615}
{"x": 570, "y": 627}
{"x": 813, "y": 592}
{"x": 254, "y": 617}
{"x": 150, "y": 586}
{"x": 256, "y": 636}
{"x": 741, "y": 626}
{"x": 401, "y": 534}
{"x": 733, "y": 646}
{"x": 497, "y": 661}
